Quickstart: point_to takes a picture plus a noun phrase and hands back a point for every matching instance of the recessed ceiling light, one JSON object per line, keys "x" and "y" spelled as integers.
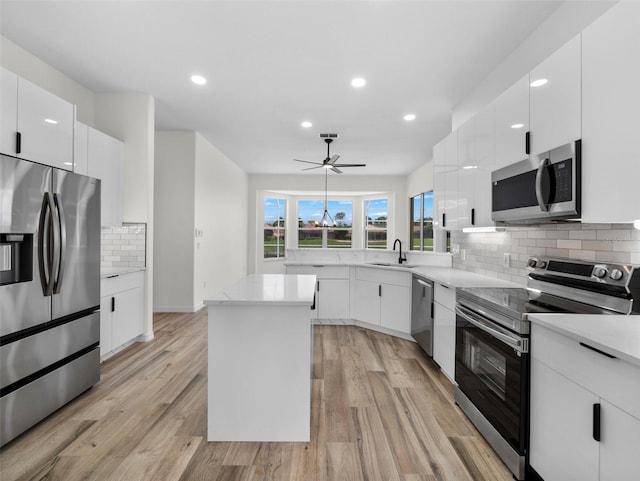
{"x": 198, "y": 79}
{"x": 358, "y": 82}
{"x": 539, "y": 83}
{"x": 517, "y": 126}
{"x": 410, "y": 117}
{"x": 306, "y": 124}
{"x": 51, "y": 121}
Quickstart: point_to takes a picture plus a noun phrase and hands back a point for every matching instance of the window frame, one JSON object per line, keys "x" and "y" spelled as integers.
{"x": 365, "y": 238}
{"x": 422, "y": 221}
{"x": 281, "y": 219}
{"x": 324, "y": 231}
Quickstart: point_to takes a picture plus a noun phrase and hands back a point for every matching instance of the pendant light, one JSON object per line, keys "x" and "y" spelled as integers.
{"x": 324, "y": 222}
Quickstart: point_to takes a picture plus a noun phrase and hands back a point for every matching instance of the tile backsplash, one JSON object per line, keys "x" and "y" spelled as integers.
{"x": 124, "y": 246}
{"x": 484, "y": 253}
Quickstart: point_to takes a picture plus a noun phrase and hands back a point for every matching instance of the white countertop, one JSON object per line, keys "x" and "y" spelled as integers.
{"x": 118, "y": 271}
{"x": 268, "y": 289}
{"x": 444, "y": 275}
{"x": 617, "y": 335}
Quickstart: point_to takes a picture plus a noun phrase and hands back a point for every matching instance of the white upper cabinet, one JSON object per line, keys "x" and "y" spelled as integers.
{"x": 451, "y": 192}
{"x": 42, "y": 129}
{"x": 511, "y": 124}
{"x": 466, "y": 178}
{"x": 439, "y": 168}
{"x": 104, "y": 162}
{"x": 8, "y": 111}
{"x": 81, "y": 149}
{"x": 610, "y": 102}
{"x": 555, "y": 99}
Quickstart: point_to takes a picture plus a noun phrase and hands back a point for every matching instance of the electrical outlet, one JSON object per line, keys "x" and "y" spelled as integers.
{"x": 463, "y": 254}
{"x": 506, "y": 260}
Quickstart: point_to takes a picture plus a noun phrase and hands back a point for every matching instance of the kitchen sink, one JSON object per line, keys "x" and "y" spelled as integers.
{"x": 389, "y": 264}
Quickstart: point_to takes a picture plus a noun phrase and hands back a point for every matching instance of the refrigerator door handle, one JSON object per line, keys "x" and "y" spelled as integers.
{"x": 44, "y": 244}
{"x": 61, "y": 246}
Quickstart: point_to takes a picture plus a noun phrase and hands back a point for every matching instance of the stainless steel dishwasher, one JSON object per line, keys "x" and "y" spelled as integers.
{"x": 422, "y": 313}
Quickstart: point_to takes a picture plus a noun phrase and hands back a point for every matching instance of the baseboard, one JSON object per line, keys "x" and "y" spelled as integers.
{"x": 146, "y": 337}
{"x": 384, "y": 330}
{"x": 191, "y": 309}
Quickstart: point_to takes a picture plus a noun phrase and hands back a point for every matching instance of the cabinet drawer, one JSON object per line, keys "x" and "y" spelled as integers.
{"x": 445, "y": 295}
{"x": 122, "y": 282}
{"x": 613, "y": 379}
{"x": 384, "y": 276}
{"x": 322, "y": 272}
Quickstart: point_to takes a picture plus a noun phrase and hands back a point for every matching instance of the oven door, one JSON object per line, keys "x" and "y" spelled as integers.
{"x": 492, "y": 366}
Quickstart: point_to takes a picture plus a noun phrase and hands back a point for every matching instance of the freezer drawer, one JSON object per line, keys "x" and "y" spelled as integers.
{"x": 31, "y": 354}
{"x": 26, "y": 406}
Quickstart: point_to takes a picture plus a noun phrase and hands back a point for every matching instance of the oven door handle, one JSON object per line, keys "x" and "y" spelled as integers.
{"x": 520, "y": 345}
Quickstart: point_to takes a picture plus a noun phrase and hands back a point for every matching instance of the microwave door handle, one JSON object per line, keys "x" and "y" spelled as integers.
{"x": 517, "y": 344}
{"x": 539, "y": 195}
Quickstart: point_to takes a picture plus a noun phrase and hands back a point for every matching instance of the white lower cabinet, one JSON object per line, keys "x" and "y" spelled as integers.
{"x": 332, "y": 290}
{"x": 444, "y": 329}
{"x": 570, "y": 385}
{"x": 120, "y": 311}
{"x": 382, "y": 297}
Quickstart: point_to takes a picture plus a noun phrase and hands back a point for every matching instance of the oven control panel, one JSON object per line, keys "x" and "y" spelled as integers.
{"x": 615, "y": 274}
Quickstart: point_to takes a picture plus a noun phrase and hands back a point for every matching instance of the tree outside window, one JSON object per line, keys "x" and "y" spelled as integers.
{"x": 422, "y": 222}
{"x": 375, "y": 212}
{"x": 274, "y": 227}
{"x": 311, "y": 233}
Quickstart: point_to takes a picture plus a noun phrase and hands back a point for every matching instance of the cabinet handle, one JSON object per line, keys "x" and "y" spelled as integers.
{"x": 444, "y": 220}
{"x": 431, "y": 310}
{"x": 596, "y": 422}
{"x": 597, "y": 350}
{"x": 113, "y": 304}
{"x": 473, "y": 216}
{"x": 527, "y": 143}
{"x": 18, "y": 142}
{"x": 379, "y": 290}
{"x": 318, "y": 286}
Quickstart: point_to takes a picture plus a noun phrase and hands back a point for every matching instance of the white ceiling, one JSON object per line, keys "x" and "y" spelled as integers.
{"x": 272, "y": 64}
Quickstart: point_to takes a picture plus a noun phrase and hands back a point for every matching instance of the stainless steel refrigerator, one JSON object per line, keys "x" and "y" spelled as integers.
{"x": 49, "y": 291}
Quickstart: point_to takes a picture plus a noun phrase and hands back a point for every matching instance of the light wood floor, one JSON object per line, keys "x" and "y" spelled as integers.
{"x": 381, "y": 411}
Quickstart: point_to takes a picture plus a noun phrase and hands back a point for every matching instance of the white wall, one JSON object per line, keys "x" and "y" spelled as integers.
{"x": 174, "y": 223}
{"x": 564, "y": 24}
{"x": 420, "y": 180}
{"x": 131, "y": 118}
{"x": 28, "y": 66}
{"x": 315, "y": 183}
{"x": 221, "y": 192}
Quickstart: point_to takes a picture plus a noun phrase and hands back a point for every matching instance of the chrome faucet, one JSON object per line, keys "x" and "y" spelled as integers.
{"x": 401, "y": 258}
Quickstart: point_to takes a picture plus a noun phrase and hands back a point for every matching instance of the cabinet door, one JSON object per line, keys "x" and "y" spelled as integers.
{"x": 8, "y": 111}
{"x": 366, "y": 297}
{"x": 610, "y": 101}
{"x": 555, "y": 112}
{"x": 561, "y": 442}
{"x": 466, "y": 169}
{"x": 483, "y": 153}
{"x": 395, "y": 308}
{"x": 451, "y": 181}
{"x": 106, "y": 320}
{"x": 444, "y": 339}
{"x": 511, "y": 124}
{"x": 105, "y": 163}
{"x": 46, "y": 124}
{"x": 333, "y": 295}
{"x": 127, "y": 316}
{"x": 81, "y": 149}
{"x": 619, "y": 446}
{"x": 439, "y": 169}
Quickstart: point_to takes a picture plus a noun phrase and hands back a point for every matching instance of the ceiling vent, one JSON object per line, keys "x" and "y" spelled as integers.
{"x": 328, "y": 136}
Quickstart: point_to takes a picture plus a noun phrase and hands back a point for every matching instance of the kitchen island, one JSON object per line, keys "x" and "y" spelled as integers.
{"x": 260, "y": 355}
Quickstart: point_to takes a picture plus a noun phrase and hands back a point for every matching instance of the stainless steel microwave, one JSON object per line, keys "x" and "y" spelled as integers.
{"x": 544, "y": 187}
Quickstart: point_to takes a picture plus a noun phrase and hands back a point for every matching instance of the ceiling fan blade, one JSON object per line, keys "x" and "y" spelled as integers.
{"x": 307, "y": 162}
{"x": 349, "y": 165}
{"x": 337, "y": 171}
{"x": 311, "y": 168}
{"x": 333, "y": 159}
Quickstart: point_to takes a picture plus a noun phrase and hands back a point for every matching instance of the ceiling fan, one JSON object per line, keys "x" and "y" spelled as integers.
{"x": 330, "y": 161}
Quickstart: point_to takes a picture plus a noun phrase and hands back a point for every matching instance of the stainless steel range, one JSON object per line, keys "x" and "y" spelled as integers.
{"x": 492, "y": 341}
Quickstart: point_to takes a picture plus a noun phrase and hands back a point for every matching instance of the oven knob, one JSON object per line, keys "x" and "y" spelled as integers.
{"x": 532, "y": 262}
{"x": 616, "y": 274}
{"x": 600, "y": 272}
{"x": 543, "y": 264}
